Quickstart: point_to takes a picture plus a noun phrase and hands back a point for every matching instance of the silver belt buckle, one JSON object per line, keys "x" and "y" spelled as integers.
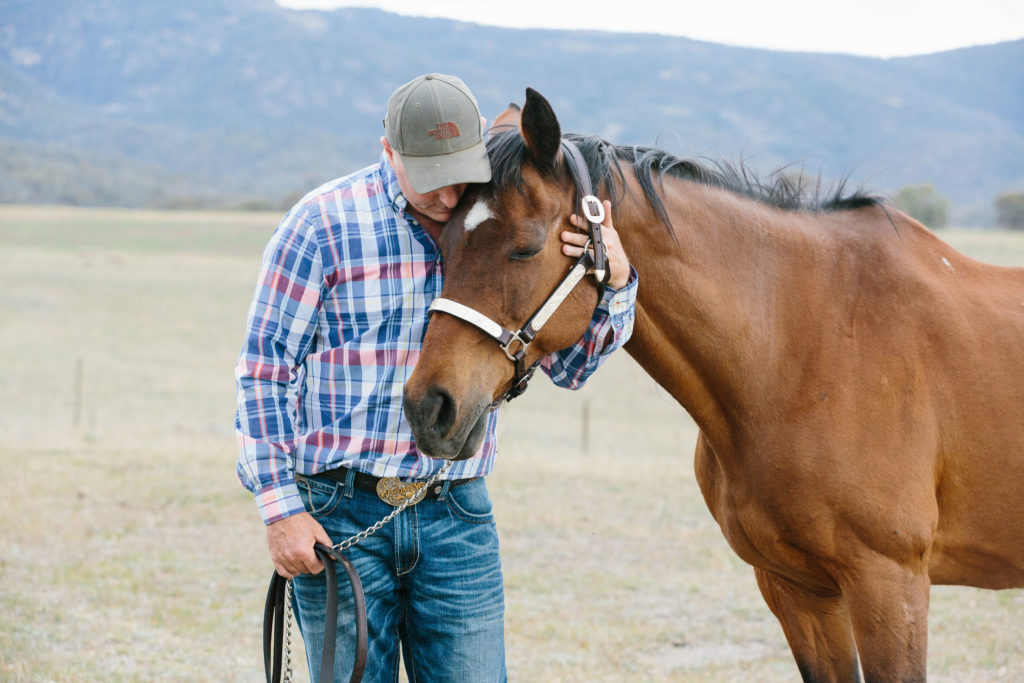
{"x": 396, "y": 492}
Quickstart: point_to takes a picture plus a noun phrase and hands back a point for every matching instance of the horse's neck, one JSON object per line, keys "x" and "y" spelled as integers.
{"x": 708, "y": 302}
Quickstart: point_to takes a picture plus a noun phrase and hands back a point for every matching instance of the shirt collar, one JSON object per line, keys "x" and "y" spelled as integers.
{"x": 391, "y": 187}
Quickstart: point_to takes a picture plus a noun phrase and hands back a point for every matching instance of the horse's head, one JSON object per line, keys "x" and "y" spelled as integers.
{"x": 503, "y": 258}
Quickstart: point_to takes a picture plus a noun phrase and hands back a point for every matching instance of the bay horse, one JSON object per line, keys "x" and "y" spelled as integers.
{"x": 508, "y": 119}
{"x": 858, "y": 383}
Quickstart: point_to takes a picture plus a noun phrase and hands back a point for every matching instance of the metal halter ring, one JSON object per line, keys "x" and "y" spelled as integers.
{"x": 523, "y": 345}
{"x": 593, "y": 209}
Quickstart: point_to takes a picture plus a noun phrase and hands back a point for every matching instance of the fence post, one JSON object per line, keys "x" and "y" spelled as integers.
{"x": 76, "y": 410}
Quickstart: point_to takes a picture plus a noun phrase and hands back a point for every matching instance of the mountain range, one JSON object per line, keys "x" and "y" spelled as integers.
{"x": 243, "y": 102}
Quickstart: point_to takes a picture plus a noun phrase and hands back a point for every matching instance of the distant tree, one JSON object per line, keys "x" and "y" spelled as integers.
{"x": 256, "y": 205}
{"x": 1010, "y": 211}
{"x": 289, "y": 200}
{"x": 924, "y": 203}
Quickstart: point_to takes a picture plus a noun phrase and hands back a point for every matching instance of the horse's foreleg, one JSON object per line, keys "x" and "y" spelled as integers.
{"x": 817, "y": 628}
{"x": 888, "y": 606}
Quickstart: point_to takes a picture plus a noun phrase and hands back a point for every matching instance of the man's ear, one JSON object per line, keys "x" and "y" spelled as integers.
{"x": 387, "y": 147}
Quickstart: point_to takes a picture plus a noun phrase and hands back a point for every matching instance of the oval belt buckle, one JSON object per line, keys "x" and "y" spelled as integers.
{"x": 395, "y": 492}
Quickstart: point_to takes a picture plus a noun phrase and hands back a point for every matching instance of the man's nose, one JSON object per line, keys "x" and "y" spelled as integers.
{"x": 449, "y": 196}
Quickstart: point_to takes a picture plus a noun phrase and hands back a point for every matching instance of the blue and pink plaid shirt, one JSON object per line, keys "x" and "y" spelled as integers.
{"x": 335, "y": 329}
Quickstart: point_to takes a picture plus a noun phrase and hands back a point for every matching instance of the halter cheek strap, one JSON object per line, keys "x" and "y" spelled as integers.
{"x": 593, "y": 261}
{"x": 591, "y": 208}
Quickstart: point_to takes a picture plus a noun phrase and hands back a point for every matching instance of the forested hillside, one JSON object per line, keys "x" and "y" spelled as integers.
{"x": 232, "y": 102}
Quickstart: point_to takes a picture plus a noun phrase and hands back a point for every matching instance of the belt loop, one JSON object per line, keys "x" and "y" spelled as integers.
{"x": 445, "y": 485}
{"x": 350, "y": 482}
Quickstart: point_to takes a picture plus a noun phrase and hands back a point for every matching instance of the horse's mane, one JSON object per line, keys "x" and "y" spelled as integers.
{"x": 508, "y": 149}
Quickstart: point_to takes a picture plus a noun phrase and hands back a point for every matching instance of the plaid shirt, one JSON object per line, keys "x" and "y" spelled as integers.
{"x": 335, "y": 329}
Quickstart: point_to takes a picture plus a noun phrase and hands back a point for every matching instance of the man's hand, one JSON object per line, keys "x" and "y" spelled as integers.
{"x": 291, "y": 543}
{"x": 618, "y": 263}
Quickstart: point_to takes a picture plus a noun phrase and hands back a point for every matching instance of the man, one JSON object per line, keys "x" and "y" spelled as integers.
{"x": 333, "y": 332}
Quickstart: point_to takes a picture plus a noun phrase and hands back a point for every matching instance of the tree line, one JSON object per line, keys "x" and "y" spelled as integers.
{"x": 927, "y": 205}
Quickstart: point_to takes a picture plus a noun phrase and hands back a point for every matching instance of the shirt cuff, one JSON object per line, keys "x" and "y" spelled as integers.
{"x": 280, "y": 501}
{"x": 619, "y": 301}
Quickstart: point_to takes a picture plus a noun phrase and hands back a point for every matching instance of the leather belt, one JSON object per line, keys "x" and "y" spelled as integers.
{"x": 391, "y": 490}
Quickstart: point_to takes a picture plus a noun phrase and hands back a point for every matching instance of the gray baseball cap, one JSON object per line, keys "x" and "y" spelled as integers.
{"x": 433, "y": 124}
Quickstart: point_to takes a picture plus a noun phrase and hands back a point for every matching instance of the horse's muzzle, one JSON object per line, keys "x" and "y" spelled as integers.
{"x": 439, "y": 429}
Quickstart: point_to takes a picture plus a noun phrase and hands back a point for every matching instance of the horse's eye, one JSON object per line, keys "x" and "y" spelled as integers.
{"x": 524, "y": 254}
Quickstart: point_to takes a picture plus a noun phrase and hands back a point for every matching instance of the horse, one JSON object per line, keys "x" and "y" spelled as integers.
{"x": 858, "y": 384}
{"x": 506, "y": 120}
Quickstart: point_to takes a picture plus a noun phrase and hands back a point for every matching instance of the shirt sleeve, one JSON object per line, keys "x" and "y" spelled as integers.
{"x": 279, "y": 332}
{"x": 610, "y": 328}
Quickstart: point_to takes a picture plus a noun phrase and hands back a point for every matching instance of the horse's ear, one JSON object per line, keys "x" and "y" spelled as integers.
{"x": 540, "y": 130}
{"x": 506, "y": 120}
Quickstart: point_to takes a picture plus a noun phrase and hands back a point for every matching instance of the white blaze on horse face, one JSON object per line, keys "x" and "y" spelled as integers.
{"x": 477, "y": 215}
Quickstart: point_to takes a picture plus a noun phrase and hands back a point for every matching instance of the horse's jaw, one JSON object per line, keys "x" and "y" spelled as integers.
{"x": 440, "y": 430}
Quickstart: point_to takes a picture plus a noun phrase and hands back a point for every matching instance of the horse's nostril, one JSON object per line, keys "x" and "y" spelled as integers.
{"x": 438, "y": 409}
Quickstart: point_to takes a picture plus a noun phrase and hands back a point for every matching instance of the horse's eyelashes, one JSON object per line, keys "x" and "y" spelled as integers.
{"x": 524, "y": 254}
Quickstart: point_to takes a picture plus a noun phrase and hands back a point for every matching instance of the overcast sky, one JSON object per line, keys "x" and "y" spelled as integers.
{"x": 877, "y": 28}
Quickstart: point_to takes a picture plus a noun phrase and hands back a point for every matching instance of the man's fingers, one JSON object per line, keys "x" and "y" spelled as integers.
{"x": 291, "y": 543}
{"x": 581, "y": 222}
{"x": 573, "y": 244}
{"x": 285, "y": 570}
{"x": 312, "y": 565}
{"x": 296, "y": 562}
{"x": 321, "y": 536}
{"x": 578, "y": 238}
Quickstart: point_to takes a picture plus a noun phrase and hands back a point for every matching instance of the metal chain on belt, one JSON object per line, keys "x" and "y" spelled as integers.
{"x": 345, "y": 545}
{"x": 369, "y": 531}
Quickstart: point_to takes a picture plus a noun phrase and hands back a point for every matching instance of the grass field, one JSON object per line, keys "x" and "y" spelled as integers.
{"x": 128, "y": 551}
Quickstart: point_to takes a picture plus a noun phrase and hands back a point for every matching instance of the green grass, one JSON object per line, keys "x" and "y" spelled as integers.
{"x": 128, "y": 551}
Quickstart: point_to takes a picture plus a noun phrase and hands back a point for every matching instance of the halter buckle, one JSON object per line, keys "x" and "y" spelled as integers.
{"x": 593, "y": 209}
{"x": 523, "y": 345}
{"x": 519, "y": 387}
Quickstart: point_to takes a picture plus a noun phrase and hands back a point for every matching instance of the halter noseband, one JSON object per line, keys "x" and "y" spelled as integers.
{"x": 595, "y": 261}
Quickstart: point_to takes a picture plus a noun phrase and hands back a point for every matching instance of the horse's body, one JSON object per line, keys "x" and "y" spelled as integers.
{"x": 858, "y": 385}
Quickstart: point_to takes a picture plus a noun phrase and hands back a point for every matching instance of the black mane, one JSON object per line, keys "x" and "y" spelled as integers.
{"x": 507, "y": 150}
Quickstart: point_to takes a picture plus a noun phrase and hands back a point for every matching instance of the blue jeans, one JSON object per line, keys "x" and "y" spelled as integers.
{"x": 433, "y": 585}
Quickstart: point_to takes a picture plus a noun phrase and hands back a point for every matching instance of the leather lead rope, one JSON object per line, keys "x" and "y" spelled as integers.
{"x": 274, "y": 614}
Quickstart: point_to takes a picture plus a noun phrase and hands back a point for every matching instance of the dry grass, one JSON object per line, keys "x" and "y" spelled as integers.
{"x": 128, "y": 551}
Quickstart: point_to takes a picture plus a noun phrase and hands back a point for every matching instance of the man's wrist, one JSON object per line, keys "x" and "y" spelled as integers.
{"x": 610, "y": 291}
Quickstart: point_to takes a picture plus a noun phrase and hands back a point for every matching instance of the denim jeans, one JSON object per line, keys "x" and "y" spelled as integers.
{"x": 433, "y": 585}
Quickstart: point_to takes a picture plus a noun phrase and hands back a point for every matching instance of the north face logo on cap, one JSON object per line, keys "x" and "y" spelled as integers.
{"x": 445, "y": 130}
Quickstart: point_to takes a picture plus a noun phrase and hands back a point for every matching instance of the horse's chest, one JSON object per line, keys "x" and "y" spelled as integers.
{"x": 760, "y": 530}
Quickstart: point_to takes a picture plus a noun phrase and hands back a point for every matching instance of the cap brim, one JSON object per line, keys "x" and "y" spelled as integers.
{"x": 469, "y": 165}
